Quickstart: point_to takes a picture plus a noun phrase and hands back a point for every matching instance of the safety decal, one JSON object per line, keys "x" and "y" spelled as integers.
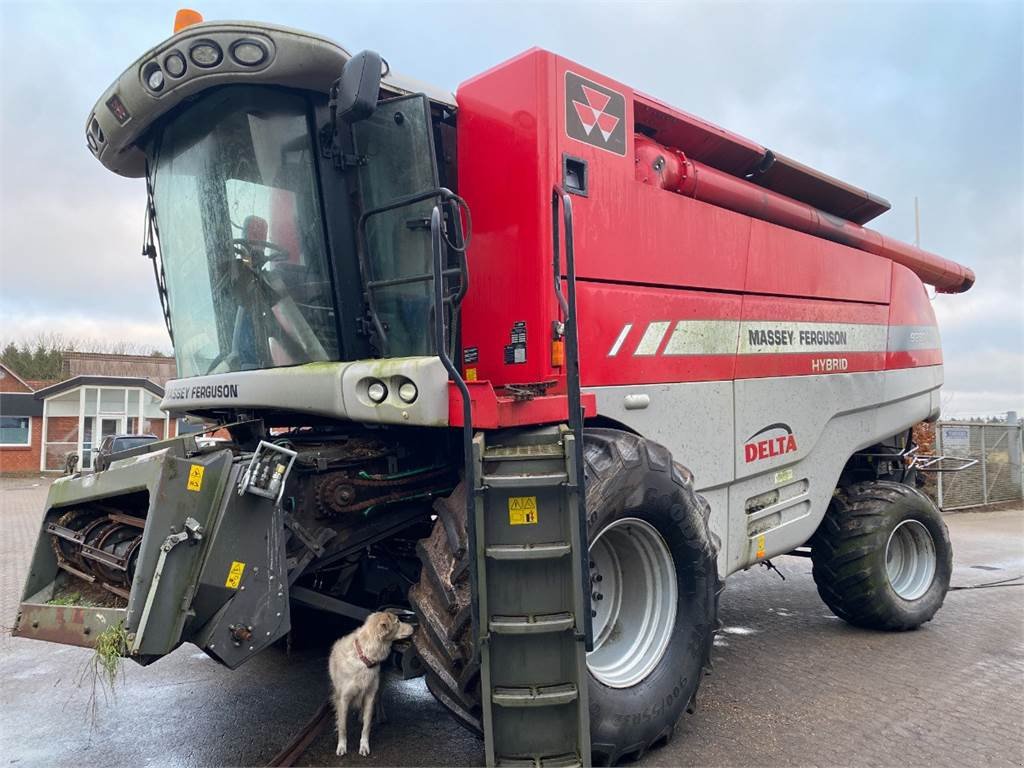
{"x": 760, "y": 545}
{"x": 235, "y": 575}
{"x": 522, "y": 510}
{"x": 594, "y": 114}
{"x": 783, "y": 476}
{"x": 515, "y": 350}
{"x": 195, "y": 477}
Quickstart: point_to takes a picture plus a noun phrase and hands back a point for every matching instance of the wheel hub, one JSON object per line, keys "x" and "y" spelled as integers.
{"x": 910, "y": 559}
{"x": 633, "y": 599}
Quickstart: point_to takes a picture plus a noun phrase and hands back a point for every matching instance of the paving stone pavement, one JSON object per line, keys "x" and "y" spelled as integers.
{"x": 792, "y": 685}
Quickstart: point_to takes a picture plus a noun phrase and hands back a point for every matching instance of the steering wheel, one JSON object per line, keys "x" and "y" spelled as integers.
{"x": 247, "y": 249}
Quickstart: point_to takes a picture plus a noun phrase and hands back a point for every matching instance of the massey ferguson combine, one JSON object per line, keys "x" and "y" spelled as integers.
{"x": 540, "y": 363}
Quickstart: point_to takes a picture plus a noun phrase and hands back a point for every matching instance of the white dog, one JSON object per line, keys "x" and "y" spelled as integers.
{"x": 355, "y": 671}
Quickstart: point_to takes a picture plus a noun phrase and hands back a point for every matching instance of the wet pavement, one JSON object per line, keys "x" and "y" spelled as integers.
{"x": 792, "y": 685}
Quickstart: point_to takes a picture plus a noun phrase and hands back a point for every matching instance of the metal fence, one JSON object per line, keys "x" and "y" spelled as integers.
{"x": 998, "y": 476}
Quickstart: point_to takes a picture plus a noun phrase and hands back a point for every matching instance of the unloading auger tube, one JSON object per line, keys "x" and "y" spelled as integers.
{"x": 671, "y": 169}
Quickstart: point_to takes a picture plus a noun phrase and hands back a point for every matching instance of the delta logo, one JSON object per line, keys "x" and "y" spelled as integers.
{"x": 774, "y": 440}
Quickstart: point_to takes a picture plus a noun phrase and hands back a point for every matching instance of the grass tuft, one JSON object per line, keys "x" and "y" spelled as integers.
{"x": 111, "y": 646}
{"x": 68, "y": 598}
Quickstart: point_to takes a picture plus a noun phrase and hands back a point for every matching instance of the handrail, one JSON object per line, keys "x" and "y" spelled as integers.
{"x": 437, "y": 251}
{"x": 445, "y": 197}
{"x": 572, "y": 360}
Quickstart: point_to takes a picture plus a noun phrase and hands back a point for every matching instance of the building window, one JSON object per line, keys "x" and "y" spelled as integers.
{"x": 15, "y": 431}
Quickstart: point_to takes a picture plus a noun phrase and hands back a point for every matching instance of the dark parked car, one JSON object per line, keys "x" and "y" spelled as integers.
{"x": 113, "y": 444}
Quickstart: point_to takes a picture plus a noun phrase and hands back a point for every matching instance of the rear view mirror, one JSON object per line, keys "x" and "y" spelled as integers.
{"x": 358, "y": 86}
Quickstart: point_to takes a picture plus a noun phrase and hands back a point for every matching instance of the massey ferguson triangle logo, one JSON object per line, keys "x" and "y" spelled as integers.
{"x": 765, "y": 445}
{"x": 594, "y": 114}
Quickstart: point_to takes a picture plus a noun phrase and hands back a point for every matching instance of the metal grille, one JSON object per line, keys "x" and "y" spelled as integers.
{"x": 995, "y": 478}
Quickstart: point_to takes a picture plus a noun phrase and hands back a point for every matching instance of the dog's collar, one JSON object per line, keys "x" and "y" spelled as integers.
{"x": 362, "y": 657}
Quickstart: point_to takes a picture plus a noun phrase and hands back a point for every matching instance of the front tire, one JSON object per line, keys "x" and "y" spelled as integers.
{"x": 882, "y": 557}
{"x": 642, "y": 508}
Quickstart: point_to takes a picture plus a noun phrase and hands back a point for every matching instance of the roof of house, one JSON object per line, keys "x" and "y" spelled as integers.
{"x": 102, "y": 381}
{"x": 157, "y": 368}
{"x": 11, "y": 372}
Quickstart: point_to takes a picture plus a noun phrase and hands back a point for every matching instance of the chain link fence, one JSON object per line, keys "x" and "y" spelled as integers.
{"x": 997, "y": 477}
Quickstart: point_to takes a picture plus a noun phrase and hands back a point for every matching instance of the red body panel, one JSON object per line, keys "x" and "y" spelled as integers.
{"x": 911, "y": 309}
{"x": 670, "y": 288}
{"x": 494, "y": 411}
{"x": 505, "y": 160}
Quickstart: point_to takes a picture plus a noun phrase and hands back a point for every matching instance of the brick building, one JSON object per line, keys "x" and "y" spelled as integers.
{"x": 41, "y": 422}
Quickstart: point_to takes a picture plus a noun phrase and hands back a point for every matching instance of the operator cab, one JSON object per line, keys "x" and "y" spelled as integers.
{"x": 290, "y": 197}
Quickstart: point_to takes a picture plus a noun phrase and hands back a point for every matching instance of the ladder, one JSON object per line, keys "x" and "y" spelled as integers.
{"x": 531, "y": 603}
{"x": 527, "y": 537}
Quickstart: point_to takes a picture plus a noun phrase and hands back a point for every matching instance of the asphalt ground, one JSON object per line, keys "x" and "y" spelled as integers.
{"x": 791, "y": 685}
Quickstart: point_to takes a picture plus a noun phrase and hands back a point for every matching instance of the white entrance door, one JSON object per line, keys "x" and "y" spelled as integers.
{"x": 111, "y": 425}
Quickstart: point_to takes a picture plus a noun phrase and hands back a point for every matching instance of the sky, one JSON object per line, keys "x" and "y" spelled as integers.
{"x": 906, "y": 99}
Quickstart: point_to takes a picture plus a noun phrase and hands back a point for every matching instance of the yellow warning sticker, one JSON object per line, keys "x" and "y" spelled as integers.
{"x": 471, "y": 374}
{"x": 760, "y": 545}
{"x": 235, "y": 575}
{"x": 522, "y": 510}
{"x": 783, "y": 476}
{"x": 195, "y": 477}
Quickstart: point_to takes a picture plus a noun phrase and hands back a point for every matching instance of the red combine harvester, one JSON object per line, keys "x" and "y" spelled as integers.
{"x": 463, "y": 346}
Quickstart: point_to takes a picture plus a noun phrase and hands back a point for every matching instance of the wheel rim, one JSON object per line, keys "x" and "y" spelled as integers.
{"x": 633, "y": 584}
{"x": 910, "y": 559}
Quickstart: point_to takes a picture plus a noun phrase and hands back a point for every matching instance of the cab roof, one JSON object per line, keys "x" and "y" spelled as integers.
{"x": 207, "y": 55}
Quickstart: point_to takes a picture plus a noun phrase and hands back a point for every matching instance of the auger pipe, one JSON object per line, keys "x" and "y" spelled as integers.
{"x": 670, "y": 169}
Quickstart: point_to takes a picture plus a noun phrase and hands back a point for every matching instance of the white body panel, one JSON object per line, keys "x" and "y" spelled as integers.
{"x": 334, "y": 390}
{"x": 785, "y": 439}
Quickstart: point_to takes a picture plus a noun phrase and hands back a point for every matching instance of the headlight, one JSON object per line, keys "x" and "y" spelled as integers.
{"x": 205, "y": 53}
{"x": 377, "y": 391}
{"x": 248, "y": 53}
{"x": 153, "y": 76}
{"x": 175, "y": 64}
{"x": 408, "y": 392}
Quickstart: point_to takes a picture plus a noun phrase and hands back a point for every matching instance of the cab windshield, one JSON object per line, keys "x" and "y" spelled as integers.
{"x": 241, "y": 234}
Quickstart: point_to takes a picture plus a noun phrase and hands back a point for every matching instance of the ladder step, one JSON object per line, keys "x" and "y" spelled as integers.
{"x": 542, "y": 551}
{"x": 536, "y": 624}
{"x": 558, "y": 761}
{"x": 525, "y": 482}
{"x": 525, "y": 452}
{"x": 535, "y": 696}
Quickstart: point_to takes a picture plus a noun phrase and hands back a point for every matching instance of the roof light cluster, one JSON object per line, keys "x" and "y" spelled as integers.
{"x": 198, "y": 56}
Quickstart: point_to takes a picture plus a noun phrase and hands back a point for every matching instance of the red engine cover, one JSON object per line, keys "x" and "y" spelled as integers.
{"x": 671, "y": 288}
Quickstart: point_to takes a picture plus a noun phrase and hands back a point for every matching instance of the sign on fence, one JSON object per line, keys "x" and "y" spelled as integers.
{"x": 956, "y": 440}
{"x": 997, "y": 474}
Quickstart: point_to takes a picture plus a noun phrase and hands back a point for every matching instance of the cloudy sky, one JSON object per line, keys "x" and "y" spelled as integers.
{"x": 904, "y": 99}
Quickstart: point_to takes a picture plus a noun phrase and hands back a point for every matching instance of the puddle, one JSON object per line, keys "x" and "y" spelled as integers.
{"x": 739, "y": 631}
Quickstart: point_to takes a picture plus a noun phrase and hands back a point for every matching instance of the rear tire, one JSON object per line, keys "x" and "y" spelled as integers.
{"x": 627, "y": 479}
{"x": 881, "y": 557}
